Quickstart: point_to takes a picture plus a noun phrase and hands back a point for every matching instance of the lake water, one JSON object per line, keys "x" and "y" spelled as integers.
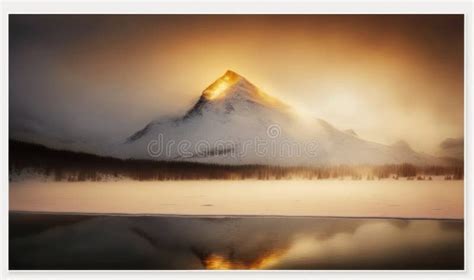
{"x": 327, "y": 224}
{"x": 46, "y": 241}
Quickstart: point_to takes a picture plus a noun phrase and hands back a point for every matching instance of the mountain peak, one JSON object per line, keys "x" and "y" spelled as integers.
{"x": 232, "y": 90}
{"x": 221, "y": 86}
{"x": 229, "y": 74}
{"x": 232, "y": 86}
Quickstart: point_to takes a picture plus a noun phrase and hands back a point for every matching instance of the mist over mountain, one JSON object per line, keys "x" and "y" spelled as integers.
{"x": 234, "y": 122}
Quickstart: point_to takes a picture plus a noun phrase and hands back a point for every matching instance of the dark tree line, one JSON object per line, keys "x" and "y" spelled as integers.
{"x": 76, "y": 166}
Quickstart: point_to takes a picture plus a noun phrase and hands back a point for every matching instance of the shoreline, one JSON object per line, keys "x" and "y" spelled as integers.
{"x": 224, "y": 216}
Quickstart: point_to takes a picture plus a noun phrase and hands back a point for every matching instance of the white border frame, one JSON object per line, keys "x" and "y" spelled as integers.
{"x": 237, "y": 7}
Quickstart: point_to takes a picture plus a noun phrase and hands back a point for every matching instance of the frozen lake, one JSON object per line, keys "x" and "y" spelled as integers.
{"x": 437, "y": 199}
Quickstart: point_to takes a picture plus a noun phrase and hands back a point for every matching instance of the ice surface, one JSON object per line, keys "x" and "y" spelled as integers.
{"x": 386, "y": 198}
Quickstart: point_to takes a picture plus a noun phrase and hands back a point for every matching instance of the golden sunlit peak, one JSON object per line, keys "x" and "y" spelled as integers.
{"x": 231, "y": 76}
{"x": 222, "y": 84}
{"x": 232, "y": 83}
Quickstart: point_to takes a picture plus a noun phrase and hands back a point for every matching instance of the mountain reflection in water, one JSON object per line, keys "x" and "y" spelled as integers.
{"x": 47, "y": 241}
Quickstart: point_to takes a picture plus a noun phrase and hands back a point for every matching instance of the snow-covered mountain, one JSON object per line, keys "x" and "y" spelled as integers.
{"x": 234, "y": 122}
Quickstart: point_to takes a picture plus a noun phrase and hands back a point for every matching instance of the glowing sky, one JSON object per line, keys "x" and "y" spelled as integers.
{"x": 89, "y": 79}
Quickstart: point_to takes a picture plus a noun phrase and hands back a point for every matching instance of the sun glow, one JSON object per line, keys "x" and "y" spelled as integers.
{"x": 218, "y": 88}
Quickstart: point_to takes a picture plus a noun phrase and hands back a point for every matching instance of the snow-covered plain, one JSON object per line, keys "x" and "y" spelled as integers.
{"x": 335, "y": 198}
